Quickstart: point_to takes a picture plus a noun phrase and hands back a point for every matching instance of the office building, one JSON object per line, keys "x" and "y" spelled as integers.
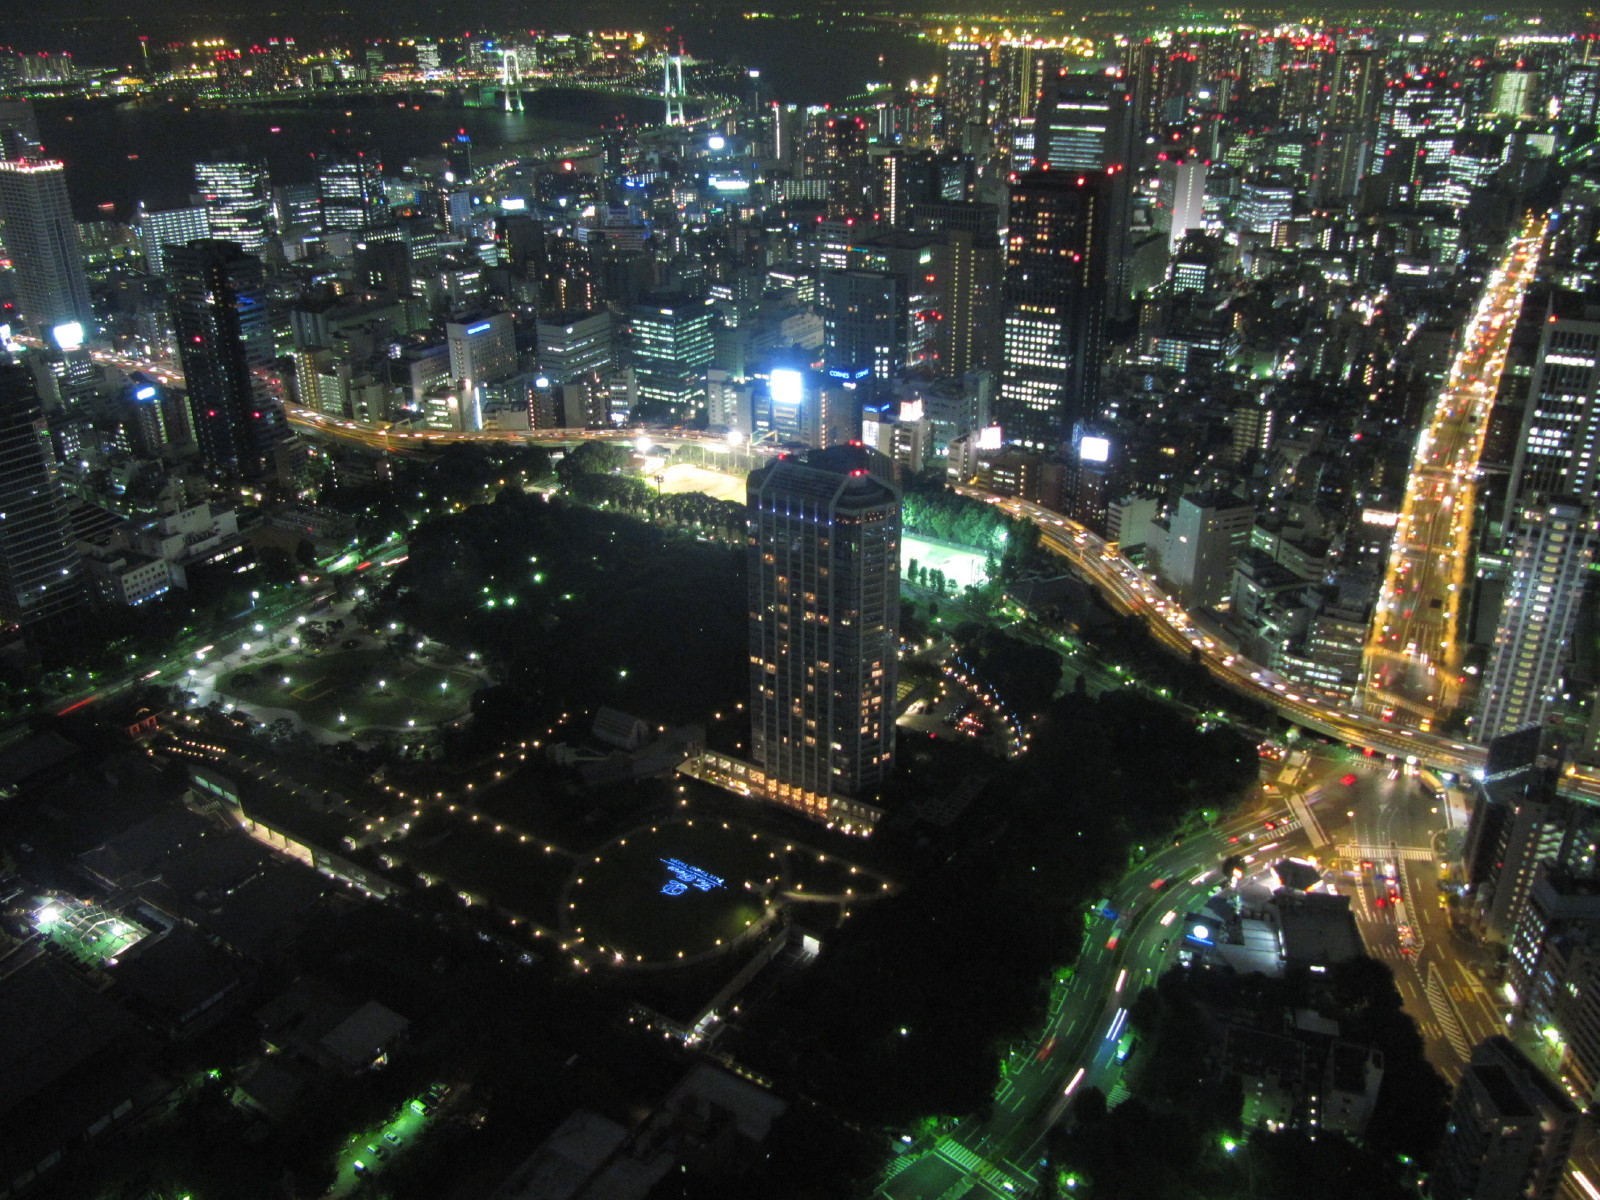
{"x": 41, "y": 585}
{"x": 1558, "y": 451}
{"x": 1419, "y": 116}
{"x": 350, "y": 190}
{"x": 1552, "y": 546}
{"x": 154, "y": 416}
{"x": 1509, "y": 1133}
{"x": 1580, "y": 93}
{"x": 1208, "y": 532}
{"x": 824, "y": 580}
{"x": 1553, "y": 963}
{"x": 1081, "y": 124}
{"x": 1182, "y": 196}
{"x": 1053, "y": 304}
{"x": 237, "y": 199}
{"x": 794, "y": 405}
{"x": 965, "y": 88}
{"x": 1517, "y": 823}
{"x": 865, "y": 322}
{"x": 219, "y": 315}
{"x": 672, "y": 346}
{"x": 482, "y": 349}
{"x": 572, "y": 344}
{"x": 41, "y": 237}
{"x": 168, "y": 227}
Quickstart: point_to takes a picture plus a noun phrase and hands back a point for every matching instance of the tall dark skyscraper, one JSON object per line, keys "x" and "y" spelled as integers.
{"x": 42, "y": 239}
{"x": 864, "y": 322}
{"x": 40, "y": 581}
{"x": 824, "y": 581}
{"x": 219, "y": 318}
{"x": 1054, "y": 302}
{"x": 1082, "y": 123}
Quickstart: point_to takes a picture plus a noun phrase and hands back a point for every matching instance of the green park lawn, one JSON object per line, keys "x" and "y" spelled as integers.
{"x": 368, "y": 687}
{"x": 625, "y": 900}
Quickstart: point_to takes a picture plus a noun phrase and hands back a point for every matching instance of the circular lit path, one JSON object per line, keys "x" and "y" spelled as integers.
{"x": 673, "y": 892}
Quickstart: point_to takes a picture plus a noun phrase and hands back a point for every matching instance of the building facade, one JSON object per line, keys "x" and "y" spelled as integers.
{"x": 1053, "y": 303}
{"x": 41, "y": 580}
{"x": 41, "y": 237}
{"x": 238, "y": 201}
{"x": 1552, "y": 546}
{"x": 824, "y": 580}
{"x": 219, "y": 314}
{"x": 1509, "y": 1133}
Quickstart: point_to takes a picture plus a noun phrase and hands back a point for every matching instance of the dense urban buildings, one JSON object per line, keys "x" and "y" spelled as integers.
{"x": 1102, "y": 375}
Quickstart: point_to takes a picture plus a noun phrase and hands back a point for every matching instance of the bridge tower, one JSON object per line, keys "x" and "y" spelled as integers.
{"x": 672, "y": 89}
{"x": 511, "y": 78}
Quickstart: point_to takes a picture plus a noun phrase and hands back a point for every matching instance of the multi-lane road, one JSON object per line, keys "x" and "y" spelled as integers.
{"x": 1129, "y": 590}
{"x": 1120, "y": 582}
{"x": 1412, "y": 663}
{"x": 1000, "y": 1155}
{"x": 1326, "y": 805}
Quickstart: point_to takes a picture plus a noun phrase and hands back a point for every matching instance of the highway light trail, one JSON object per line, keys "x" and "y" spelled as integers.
{"x": 1117, "y": 1023}
{"x": 1411, "y": 667}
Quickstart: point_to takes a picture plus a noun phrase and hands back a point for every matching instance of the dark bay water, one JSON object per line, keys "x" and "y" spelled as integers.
{"x": 804, "y": 59}
{"x": 120, "y": 154}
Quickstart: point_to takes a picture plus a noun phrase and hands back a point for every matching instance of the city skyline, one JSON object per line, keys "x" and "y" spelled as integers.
{"x": 1045, "y": 605}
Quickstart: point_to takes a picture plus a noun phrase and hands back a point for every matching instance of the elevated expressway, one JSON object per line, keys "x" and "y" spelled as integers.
{"x": 1128, "y": 590}
{"x": 1123, "y": 585}
{"x": 1411, "y": 667}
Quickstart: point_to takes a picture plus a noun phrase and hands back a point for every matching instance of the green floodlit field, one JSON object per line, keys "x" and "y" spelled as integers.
{"x": 367, "y": 687}
{"x": 673, "y": 891}
{"x": 963, "y": 567}
{"x": 686, "y": 477}
{"x": 91, "y": 935}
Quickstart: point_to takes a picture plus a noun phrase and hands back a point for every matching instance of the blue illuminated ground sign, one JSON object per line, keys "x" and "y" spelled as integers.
{"x": 685, "y": 877}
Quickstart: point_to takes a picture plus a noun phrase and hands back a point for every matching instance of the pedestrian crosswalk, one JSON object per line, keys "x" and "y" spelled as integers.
{"x": 1379, "y": 853}
{"x": 1444, "y": 1011}
{"x": 967, "y": 1160}
{"x": 1119, "y": 1093}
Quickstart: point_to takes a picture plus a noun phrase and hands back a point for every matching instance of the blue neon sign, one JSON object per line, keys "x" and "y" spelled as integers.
{"x": 480, "y": 327}
{"x": 685, "y": 877}
{"x": 145, "y": 393}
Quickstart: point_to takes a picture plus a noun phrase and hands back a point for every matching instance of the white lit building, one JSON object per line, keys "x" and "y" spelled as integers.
{"x": 1552, "y": 547}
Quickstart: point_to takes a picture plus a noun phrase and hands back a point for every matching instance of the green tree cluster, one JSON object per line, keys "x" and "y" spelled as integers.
{"x": 1180, "y": 1135}
{"x": 901, "y": 1016}
{"x": 573, "y": 607}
